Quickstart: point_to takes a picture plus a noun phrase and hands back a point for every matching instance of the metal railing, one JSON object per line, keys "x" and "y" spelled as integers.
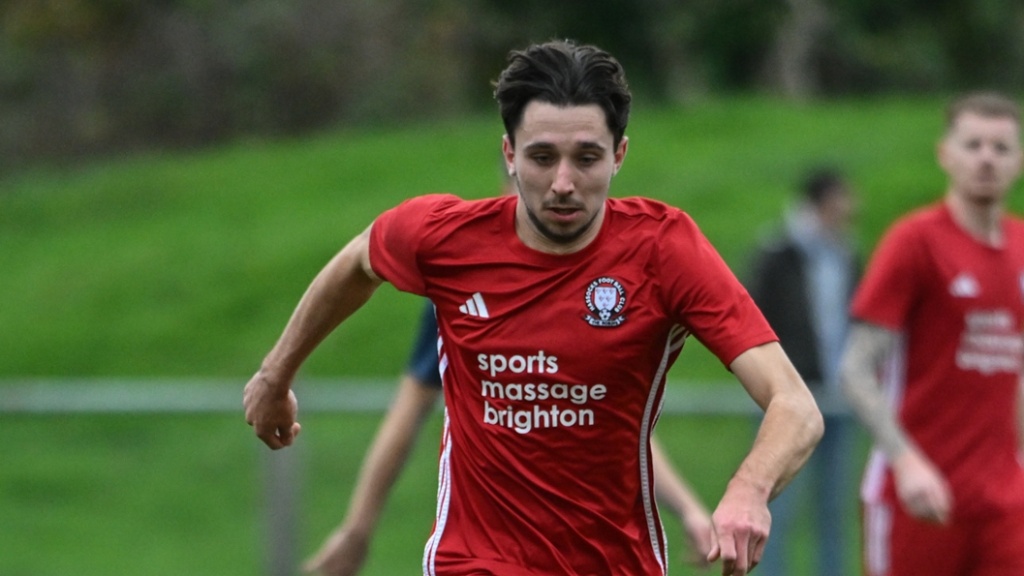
{"x": 168, "y": 396}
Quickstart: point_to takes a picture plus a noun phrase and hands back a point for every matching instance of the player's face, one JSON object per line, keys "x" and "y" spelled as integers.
{"x": 562, "y": 165}
{"x": 982, "y": 156}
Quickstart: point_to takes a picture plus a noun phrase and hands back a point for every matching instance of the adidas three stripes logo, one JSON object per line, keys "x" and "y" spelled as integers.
{"x": 475, "y": 306}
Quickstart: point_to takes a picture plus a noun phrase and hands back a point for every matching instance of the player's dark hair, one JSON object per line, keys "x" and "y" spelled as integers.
{"x": 563, "y": 73}
{"x": 821, "y": 182}
{"x": 988, "y": 104}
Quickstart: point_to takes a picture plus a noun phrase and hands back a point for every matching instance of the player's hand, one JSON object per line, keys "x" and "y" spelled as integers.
{"x": 271, "y": 411}
{"x": 698, "y": 529}
{"x": 342, "y": 554}
{"x": 741, "y": 524}
{"x": 921, "y": 488}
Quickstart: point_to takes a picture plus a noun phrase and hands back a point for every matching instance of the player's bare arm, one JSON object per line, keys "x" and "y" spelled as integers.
{"x": 866, "y": 348}
{"x": 921, "y": 487}
{"x": 341, "y": 288}
{"x": 791, "y": 428}
{"x": 792, "y": 424}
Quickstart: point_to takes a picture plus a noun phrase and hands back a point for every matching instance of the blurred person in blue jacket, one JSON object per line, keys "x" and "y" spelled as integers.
{"x": 802, "y": 278}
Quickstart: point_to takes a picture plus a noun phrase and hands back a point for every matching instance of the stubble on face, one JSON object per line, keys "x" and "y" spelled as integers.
{"x": 565, "y": 237}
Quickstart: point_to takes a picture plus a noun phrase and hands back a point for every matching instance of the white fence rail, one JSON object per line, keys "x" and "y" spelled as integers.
{"x": 114, "y": 395}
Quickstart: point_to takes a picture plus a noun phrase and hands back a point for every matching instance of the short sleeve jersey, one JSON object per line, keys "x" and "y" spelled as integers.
{"x": 554, "y": 369}
{"x": 959, "y": 307}
{"x": 423, "y": 358}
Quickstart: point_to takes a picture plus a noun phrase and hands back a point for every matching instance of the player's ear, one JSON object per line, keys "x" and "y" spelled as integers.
{"x": 620, "y": 154}
{"x": 508, "y": 151}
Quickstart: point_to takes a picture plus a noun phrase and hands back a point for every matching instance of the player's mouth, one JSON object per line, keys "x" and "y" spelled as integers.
{"x": 564, "y": 213}
{"x": 986, "y": 181}
{"x": 563, "y": 206}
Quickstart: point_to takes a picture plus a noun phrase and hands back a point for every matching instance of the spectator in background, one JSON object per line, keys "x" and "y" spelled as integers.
{"x": 345, "y": 550}
{"x": 802, "y": 279}
{"x": 933, "y": 364}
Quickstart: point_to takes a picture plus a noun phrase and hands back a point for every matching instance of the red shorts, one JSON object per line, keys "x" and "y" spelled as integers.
{"x": 896, "y": 544}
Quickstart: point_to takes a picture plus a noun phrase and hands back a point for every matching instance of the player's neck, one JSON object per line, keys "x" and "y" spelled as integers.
{"x": 980, "y": 219}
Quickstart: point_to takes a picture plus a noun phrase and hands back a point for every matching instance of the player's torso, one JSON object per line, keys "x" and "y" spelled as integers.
{"x": 552, "y": 370}
{"x": 586, "y": 337}
{"x": 964, "y": 358}
{"x": 972, "y": 306}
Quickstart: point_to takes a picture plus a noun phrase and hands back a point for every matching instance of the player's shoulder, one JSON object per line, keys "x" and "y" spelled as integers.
{"x": 1013, "y": 232}
{"x": 646, "y": 209}
{"x": 920, "y": 221}
{"x": 930, "y": 214}
{"x": 640, "y": 205}
{"x": 444, "y": 207}
{"x": 662, "y": 228}
{"x": 1015, "y": 224}
{"x": 446, "y": 202}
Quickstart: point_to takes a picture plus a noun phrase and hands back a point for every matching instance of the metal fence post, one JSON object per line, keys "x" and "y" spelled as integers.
{"x": 282, "y": 474}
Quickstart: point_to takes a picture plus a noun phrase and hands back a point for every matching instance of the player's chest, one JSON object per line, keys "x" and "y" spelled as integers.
{"x": 976, "y": 279}
{"x": 589, "y": 308}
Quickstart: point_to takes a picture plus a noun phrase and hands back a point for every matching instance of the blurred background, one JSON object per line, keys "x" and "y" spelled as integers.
{"x": 78, "y": 77}
{"x": 173, "y": 173}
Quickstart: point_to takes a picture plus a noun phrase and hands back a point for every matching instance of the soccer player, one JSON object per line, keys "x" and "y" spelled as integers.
{"x": 560, "y": 311}
{"x": 933, "y": 364}
{"x": 345, "y": 550}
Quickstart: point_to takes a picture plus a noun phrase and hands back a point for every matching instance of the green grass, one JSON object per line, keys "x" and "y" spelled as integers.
{"x": 170, "y": 495}
{"x": 188, "y": 265}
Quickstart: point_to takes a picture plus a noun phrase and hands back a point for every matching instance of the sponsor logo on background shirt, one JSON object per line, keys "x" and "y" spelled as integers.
{"x": 990, "y": 343}
{"x": 964, "y": 286}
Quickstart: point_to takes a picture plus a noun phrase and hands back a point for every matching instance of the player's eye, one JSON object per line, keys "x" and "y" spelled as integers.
{"x": 542, "y": 159}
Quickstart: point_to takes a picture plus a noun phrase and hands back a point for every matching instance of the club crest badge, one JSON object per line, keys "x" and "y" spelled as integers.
{"x": 605, "y": 299}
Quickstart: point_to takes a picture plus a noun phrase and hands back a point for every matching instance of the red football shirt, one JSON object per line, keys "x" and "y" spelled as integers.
{"x": 959, "y": 307}
{"x": 554, "y": 369}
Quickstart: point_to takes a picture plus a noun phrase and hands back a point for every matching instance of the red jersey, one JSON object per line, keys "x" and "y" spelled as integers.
{"x": 554, "y": 369}
{"x": 959, "y": 307}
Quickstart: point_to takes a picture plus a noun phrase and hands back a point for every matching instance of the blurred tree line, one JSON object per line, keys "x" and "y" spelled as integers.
{"x": 79, "y": 77}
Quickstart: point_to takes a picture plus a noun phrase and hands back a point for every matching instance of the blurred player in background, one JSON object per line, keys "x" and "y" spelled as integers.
{"x": 933, "y": 364}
